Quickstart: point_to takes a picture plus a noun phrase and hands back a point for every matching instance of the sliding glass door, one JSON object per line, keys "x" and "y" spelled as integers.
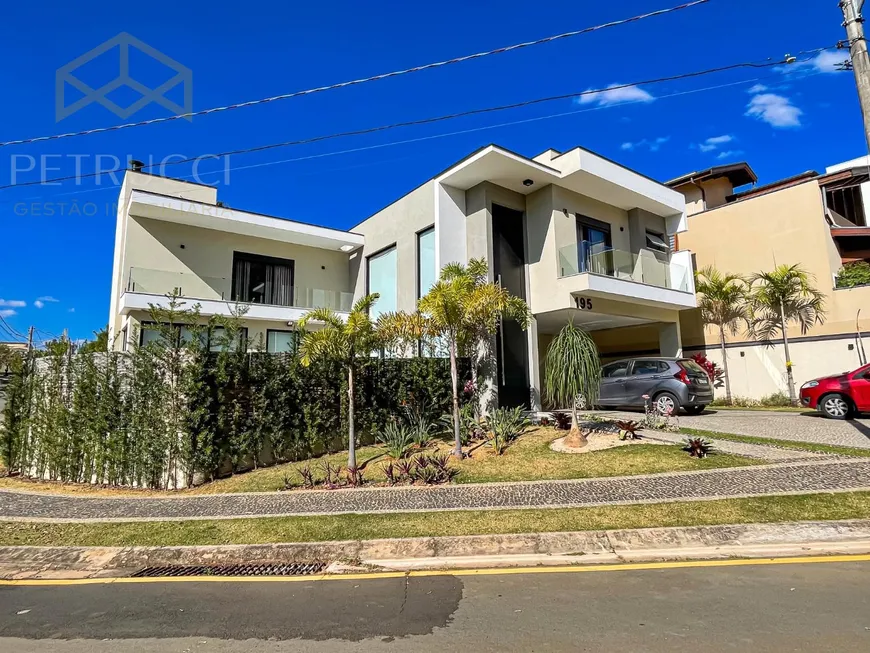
{"x": 262, "y": 279}
{"x": 594, "y": 251}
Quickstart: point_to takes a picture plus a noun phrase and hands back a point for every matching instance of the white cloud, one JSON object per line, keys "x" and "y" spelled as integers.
{"x": 7, "y": 312}
{"x": 715, "y": 141}
{"x": 42, "y": 301}
{"x": 653, "y": 145}
{"x": 757, "y": 88}
{"x": 728, "y": 154}
{"x": 616, "y": 96}
{"x": 824, "y": 62}
{"x": 13, "y": 303}
{"x": 775, "y": 110}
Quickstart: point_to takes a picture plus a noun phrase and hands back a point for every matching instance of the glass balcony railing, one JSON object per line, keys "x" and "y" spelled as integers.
{"x": 579, "y": 258}
{"x": 194, "y": 286}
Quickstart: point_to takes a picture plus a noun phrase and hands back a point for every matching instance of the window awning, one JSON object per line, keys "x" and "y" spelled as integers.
{"x": 656, "y": 242}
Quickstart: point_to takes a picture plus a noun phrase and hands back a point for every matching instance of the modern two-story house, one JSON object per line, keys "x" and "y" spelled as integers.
{"x": 576, "y": 235}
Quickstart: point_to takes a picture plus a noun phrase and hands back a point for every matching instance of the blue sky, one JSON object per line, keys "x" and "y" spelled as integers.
{"x": 802, "y": 120}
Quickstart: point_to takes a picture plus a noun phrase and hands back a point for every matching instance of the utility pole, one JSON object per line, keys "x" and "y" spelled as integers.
{"x": 854, "y": 24}
{"x": 29, "y": 340}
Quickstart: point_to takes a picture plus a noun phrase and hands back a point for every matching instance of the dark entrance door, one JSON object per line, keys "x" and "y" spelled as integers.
{"x": 512, "y": 353}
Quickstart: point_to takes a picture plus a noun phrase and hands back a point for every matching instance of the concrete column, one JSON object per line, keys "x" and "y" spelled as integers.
{"x": 670, "y": 343}
{"x": 534, "y": 367}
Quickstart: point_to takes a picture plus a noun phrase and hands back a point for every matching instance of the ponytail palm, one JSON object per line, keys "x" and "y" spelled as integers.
{"x": 342, "y": 341}
{"x": 723, "y": 303}
{"x": 779, "y": 297}
{"x": 572, "y": 368}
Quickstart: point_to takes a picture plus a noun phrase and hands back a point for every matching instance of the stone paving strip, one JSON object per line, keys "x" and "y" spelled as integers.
{"x": 776, "y": 479}
{"x": 760, "y": 451}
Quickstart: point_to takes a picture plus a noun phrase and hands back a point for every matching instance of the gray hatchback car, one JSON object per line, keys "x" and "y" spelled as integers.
{"x": 670, "y": 383}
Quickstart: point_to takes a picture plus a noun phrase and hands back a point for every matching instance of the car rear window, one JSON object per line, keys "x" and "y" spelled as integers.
{"x": 691, "y": 366}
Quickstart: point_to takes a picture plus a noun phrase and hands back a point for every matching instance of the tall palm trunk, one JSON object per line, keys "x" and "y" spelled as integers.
{"x": 788, "y": 373}
{"x": 351, "y": 430}
{"x": 454, "y": 380}
{"x": 725, "y": 365}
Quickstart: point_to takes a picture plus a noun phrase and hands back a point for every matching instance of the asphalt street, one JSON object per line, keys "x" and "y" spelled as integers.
{"x": 789, "y": 607}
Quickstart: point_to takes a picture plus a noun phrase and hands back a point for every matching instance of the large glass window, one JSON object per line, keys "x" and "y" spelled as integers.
{"x": 426, "y": 272}
{"x": 594, "y": 250}
{"x": 262, "y": 279}
{"x": 381, "y": 278}
{"x": 281, "y": 342}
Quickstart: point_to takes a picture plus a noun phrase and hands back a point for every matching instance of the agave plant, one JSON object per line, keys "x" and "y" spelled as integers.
{"x": 506, "y": 425}
{"x": 562, "y": 421}
{"x": 628, "y": 429}
{"x": 397, "y": 438}
{"x": 307, "y": 475}
{"x": 698, "y": 447}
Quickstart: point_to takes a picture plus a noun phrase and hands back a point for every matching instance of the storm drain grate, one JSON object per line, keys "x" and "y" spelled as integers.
{"x": 282, "y": 569}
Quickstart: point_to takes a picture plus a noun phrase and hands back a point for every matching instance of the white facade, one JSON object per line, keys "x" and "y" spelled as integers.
{"x": 577, "y": 236}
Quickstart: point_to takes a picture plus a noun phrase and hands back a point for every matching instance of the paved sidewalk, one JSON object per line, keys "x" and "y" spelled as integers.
{"x": 789, "y": 478}
{"x": 799, "y": 427}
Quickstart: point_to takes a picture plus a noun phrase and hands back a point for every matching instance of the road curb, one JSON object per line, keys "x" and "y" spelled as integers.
{"x": 583, "y": 547}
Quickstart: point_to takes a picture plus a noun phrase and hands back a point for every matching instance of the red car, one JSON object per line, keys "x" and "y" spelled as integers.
{"x": 840, "y": 396}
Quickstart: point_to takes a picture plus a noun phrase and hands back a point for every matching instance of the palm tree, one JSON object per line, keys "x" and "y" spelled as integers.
{"x": 342, "y": 341}
{"x": 723, "y": 304}
{"x": 463, "y": 309}
{"x": 776, "y": 298}
{"x": 572, "y": 368}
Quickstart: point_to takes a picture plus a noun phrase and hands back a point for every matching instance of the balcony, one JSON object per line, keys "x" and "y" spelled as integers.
{"x": 619, "y": 274}
{"x": 214, "y": 295}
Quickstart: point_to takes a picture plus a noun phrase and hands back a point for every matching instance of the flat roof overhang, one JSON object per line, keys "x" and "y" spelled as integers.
{"x": 219, "y": 218}
{"x": 582, "y": 172}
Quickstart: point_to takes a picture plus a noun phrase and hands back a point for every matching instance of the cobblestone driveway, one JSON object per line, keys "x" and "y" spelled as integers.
{"x": 802, "y": 427}
{"x": 803, "y": 477}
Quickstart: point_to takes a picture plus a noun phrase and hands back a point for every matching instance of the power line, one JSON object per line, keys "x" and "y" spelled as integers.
{"x": 9, "y": 329}
{"x": 395, "y": 73}
{"x": 422, "y": 121}
{"x": 444, "y": 134}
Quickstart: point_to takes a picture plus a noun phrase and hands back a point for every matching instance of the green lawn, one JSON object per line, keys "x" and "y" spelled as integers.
{"x": 851, "y": 505}
{"x": 529, "y": 458}
{"x": 789, "y": 444}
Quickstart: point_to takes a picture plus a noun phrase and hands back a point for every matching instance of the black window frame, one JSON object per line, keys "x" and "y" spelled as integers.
{"x": 296, "y": 339}
{"x": 417, "y": 236}
{"x": 585, "y": 222}
{"x": 243, "y": 332}
{"x": 267, "y": 260}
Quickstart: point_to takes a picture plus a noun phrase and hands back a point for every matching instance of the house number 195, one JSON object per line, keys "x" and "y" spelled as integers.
{"x": 584, "y": 303}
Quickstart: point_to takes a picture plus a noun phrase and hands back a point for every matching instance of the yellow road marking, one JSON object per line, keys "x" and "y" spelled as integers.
{"x": 495, "y": 571}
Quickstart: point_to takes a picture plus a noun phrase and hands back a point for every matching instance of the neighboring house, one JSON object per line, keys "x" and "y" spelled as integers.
{"x": 577, "y": 236}
{"x": 815, "y": 220}
{"x": 174, "y": 234}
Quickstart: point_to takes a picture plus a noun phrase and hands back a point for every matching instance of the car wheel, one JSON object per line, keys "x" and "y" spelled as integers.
{"x": 694, "y": 410}
{"x": 666, "y": 403}
{"x": 835, "y": 406}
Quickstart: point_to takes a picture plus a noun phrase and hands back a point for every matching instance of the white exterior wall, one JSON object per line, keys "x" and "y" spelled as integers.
{"x": 398, "y": 224}
{"x": 757, "y": 371}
